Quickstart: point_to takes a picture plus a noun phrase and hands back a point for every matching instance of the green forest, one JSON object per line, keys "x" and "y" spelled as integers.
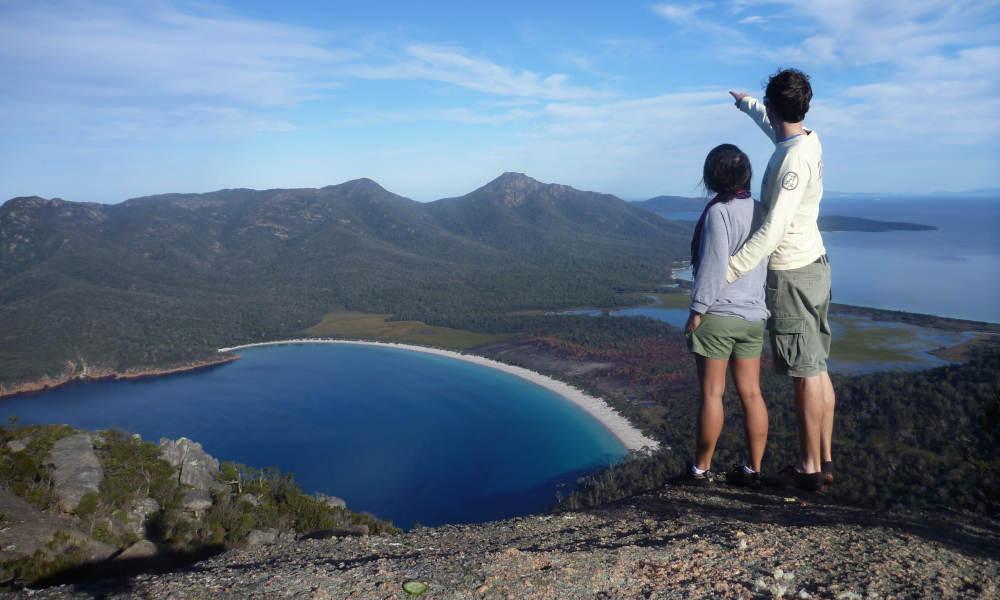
{"x": 166, "y": 280}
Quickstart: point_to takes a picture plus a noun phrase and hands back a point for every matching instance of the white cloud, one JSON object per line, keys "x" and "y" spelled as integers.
{"x": 454, "y": 66}
{"x": 860, "y": 32}
{"x": 156, "y": 54}
{"x": 452, "y": 115}
{"x": 686, "y": 17}
{"x": 684, "y": 13}
{"x": 118, "y": 71}
{"x": 917, "y": 70}
{"x": 954, "y": 100}
{"x": 752, "y": 19}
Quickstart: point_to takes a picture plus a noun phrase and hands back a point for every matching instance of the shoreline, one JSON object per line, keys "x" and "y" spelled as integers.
{"x": 46, "y": 383}
{"x": 619, "y": 426}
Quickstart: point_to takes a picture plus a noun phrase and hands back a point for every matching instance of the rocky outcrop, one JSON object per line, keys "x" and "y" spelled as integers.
{"x": 39, "y": 544}
{"x": 25, "y": 530}
{"x": 197, "y": 501}
{"x": 138, "y": 513}
{"x": 262, "y": 537}
{"x": 195, "y": 467}
{"x": 331, "y": 501}
{"x": 75, "y": 469}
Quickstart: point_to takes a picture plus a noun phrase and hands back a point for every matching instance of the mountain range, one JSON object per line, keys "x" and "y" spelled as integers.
{"x": 163, "y": 280}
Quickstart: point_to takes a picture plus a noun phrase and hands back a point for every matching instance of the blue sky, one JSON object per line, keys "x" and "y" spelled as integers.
{"x": 103, "y": 101}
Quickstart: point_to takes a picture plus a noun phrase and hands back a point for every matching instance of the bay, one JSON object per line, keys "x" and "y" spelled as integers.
{"x": 407, "y": 436}
{"x": 953, "y": 271}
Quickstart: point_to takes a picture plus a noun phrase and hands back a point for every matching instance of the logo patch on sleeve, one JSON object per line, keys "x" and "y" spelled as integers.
{"x": 790, "y": 181}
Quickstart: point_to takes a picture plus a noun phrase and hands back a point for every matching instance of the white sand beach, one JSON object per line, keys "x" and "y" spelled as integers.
{"x": 627, "y": 434}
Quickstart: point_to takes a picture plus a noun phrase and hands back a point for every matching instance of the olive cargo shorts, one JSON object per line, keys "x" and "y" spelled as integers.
{"x": 799, "y": 300}
{"x": 722, "y": 337}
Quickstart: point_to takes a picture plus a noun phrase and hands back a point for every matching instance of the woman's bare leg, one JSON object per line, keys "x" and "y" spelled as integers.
{"x": 746, "y": 374}
{"x": 712, "y": 375}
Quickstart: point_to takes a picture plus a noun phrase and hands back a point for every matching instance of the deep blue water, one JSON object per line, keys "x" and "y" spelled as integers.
{"x": 404, "y": 435}
{"x": 953, "y": 271}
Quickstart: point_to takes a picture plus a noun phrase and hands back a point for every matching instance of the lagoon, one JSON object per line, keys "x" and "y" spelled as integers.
{"x": 407, "y": 436}
{"x": 860, "y": 345}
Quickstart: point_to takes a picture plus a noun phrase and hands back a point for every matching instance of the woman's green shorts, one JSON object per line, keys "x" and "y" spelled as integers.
{"x": 724, "y": 337}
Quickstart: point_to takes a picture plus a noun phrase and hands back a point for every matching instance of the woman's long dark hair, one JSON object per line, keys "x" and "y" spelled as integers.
{"x": 727, "y": 172}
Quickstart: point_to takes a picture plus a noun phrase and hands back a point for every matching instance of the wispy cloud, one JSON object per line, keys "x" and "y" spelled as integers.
{"x": 681, "y": 13}
{"x": 863, "y": 33}
{"x": 457, "y": 67}
{"x": 156, "y": 54}
{"x": 153, "y": 69}
{"x": 687, "y": 18}
{"x": 467, "y": 116}
{"x": 933, "y": 63}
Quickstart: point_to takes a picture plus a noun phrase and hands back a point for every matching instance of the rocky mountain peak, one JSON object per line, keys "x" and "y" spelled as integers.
{"x": 30, "y": 202}
{"x": 364, "y": 185}
{"x": 512, "y": 188}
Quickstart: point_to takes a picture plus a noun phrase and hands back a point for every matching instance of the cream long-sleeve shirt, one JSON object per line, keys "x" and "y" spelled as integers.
{"x": 791, "y": 192}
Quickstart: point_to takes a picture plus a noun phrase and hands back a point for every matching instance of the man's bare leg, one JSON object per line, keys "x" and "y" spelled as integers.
{"x": 810, "y": 406}
{"x": 826, "y": 434}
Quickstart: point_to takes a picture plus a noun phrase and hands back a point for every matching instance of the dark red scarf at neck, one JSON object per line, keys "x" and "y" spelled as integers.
{"x": 696, "y": 240}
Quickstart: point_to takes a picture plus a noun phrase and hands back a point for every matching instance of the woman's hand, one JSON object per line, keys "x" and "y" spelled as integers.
{"x": 693, "y": 322}
{"x": 739, "y": 96}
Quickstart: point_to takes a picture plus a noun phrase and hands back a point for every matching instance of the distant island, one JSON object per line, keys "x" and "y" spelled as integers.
{"x": 838, "y": 223}
{"x": 665, "y": 205}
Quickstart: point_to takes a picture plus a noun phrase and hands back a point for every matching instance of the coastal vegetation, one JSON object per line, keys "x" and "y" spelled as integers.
{"x": 902, "y": 438}
{"x": 867, "y": 341}
{"x": 361, "y": 326}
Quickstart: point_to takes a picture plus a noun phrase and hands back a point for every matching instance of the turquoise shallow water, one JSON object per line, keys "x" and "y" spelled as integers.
{"x": 404, "y": 435}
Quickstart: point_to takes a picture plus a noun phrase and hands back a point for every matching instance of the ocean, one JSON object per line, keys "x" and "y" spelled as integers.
{"x": 404, "y": 435}
{"x": 951, "y": 272}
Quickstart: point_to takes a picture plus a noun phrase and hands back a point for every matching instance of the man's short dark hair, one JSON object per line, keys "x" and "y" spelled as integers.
{"x": 788, "y": 94}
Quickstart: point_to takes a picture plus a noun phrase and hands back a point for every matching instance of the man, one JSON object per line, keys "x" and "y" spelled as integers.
{"x": 798, "y": 277}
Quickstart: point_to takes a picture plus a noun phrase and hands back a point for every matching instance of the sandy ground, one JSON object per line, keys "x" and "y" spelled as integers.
{"x": 627, "y": 434}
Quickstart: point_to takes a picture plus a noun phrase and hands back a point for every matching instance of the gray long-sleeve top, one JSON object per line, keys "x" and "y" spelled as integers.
{"x": 727, "y": 226}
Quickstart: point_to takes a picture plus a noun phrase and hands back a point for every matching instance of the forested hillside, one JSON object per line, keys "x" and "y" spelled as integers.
{"x": 164, "y": 280}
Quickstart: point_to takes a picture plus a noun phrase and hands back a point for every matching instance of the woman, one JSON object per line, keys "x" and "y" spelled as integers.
{"x": 726, "y": 325}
